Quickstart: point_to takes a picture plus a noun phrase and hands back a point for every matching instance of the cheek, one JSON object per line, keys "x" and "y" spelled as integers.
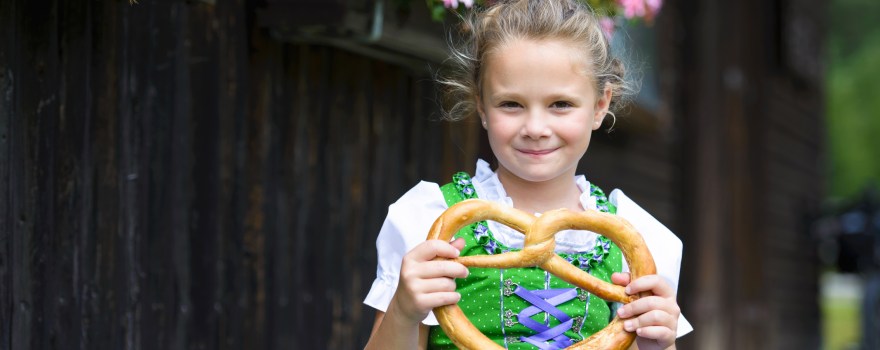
{"x": 576, "y": 133}
{"x": 572, "y": 126}
{"x": 499, "y": 128}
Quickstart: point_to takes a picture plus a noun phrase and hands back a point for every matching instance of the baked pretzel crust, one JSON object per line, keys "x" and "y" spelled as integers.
{"x": 538, "y": 250}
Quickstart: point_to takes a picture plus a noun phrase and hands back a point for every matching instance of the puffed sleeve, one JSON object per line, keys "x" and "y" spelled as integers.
{"x": 406, "y": 225}
{"x": 665, "y": 246}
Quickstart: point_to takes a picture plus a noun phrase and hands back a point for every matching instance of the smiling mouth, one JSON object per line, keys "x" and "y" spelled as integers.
{"x": 537, "y": 152}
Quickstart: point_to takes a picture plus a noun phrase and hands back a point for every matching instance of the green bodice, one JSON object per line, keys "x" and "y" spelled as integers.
{"x": 488, "y": 297}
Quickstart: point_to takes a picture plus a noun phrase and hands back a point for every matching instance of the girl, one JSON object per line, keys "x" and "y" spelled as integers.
{"x": 540, "y": 77}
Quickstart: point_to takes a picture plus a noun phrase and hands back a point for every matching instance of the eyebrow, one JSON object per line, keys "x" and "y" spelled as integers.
{"x": 568, "y": 97}
{"x": 503, "y": 96}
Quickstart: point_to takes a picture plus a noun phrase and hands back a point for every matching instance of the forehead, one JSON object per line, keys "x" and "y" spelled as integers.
{"x": 536, "y": 62}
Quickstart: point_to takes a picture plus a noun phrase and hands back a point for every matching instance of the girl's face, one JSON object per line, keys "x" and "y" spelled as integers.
{"x": 539, "y": 107}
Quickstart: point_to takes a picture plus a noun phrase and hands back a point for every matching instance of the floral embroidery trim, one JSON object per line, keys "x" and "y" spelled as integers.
{"x": 602, "y": 202}
{"x": 464, "y": 185}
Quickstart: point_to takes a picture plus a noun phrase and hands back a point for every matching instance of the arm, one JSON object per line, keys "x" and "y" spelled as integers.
{"x": 423, "y": 285}
{"x": 389, "y": 338}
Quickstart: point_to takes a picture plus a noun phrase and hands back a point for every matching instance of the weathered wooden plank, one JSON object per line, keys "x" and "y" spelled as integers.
{"x": 232, "y": 100}
{"x": 358, "y": 181}
{"x": 80, "y": 106}
{"x": 102, "y": 251}
{"x": 147, "y": 143}
{"x": 340, "y": 248}
{"x": 8, "y": 219}
{"x": 73, "y": 191}
{"x": 265, "y": 65}
{"x": 310, "y": 114}
{"x": 32, "y": 238}
{"x": 129, "y": 176}
{"x": 205, "y": 240}
{"x": 282, "y": 168}
{"x": 301, "y": 183}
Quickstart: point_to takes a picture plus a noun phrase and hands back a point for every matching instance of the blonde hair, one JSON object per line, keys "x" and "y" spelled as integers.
{"x": 486, "y": 30}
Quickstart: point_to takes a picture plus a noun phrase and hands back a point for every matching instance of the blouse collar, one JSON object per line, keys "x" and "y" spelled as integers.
{"x": 489, "y": 187}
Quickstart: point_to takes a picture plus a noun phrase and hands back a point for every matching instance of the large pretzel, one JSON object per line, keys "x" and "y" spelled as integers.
{"x": 538, "y": 250}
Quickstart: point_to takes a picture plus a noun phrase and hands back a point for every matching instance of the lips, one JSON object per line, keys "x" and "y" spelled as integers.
{"x": 537, "y": 152}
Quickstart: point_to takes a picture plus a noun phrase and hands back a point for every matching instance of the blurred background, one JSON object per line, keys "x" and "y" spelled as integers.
{"x": 849, "y": 230}
{"x": 213, "y": 174}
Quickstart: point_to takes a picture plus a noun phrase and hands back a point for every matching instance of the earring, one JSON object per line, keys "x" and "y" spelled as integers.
{"x": 484, "y": 123}
{"x": 613, "y": 121}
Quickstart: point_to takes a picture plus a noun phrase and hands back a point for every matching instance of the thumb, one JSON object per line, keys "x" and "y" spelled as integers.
{"x": 620, "y": 278}
{"x": 458, "y": 243}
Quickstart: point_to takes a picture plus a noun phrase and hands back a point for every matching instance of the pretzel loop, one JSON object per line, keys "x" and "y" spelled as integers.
{"x": 538, "y": 250}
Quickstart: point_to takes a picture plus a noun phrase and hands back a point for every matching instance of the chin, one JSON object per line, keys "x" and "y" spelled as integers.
{"x": 536, "y": 176}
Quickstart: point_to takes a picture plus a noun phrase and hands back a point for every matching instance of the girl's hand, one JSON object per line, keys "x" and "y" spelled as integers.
{"x": 425, "y": 284}
{"x": 655, "y": 317}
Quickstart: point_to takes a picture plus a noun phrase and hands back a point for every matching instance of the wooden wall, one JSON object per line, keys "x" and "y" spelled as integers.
{"x": 751, "y": 107}
{"x": 174, "y": 178}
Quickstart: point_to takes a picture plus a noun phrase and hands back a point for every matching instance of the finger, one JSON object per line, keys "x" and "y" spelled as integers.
{"x": 434, "y": 285}
{"x": 430, "y": 249}
{"x": 411, "y": 274}
{"x": 655, "y": 318}
{"x": 647, "y": 304}
{"x": 650, "y": 283}
{"x": 443, "y": 268}
{"x": 664, "y": 336}
{"x": 620, "y": 278}
{"x": 432, "y": 300}
{"x": 458, "y": 243}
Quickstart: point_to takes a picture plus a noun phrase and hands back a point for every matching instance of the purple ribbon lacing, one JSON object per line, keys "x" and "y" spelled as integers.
{"x": 546, "y": 300}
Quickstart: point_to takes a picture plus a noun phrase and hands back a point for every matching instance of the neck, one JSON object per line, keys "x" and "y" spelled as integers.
{"x": 539, "y": 197}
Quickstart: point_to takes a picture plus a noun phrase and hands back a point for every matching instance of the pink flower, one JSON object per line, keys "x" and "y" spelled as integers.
{"x": 450, "y": 3}
{"x": 607, "y": 27}
{"x": 454, "y": 3}
{"x": 633, "y": 8}
{"x": 654, "y": 5}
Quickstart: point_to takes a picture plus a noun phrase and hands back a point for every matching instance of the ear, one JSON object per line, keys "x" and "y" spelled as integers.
{"x": 482, "y": 113}
{"x": 603, "y": 102}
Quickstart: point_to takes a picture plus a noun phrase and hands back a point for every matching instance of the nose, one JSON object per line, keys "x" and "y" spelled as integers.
{"x": 536, "y": 125}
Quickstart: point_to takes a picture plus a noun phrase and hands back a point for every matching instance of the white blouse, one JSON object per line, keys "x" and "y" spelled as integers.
{"x": 410, "y": 218}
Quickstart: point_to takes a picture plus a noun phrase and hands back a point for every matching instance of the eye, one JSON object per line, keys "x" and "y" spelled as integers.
{"x": 509, "y": 105}
{"x": 561, "y": 105}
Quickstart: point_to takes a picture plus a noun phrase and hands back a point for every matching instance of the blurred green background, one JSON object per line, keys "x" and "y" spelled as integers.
{"x": 853, "y": 164}
{"x": 853, "y": 92}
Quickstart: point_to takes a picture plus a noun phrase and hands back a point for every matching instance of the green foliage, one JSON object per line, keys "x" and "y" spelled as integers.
{"x": 851, "y": 24}
{"x": 853, "y": 96}
{"x": 840, "y": 322}
{"x": 606, "y": 8}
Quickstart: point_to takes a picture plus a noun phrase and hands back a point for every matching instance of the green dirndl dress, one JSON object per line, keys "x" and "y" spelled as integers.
{"x": 496, "y": 300}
